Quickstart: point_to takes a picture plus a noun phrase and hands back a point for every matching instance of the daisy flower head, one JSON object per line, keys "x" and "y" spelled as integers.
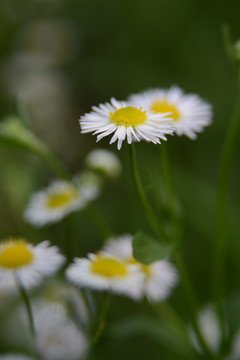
{"x": 57, "y": 336}
{"x": 104, "y": 162}
{"x": 107, "y": 273}
{"x": 189, "y": 112}
{"x": 28, "y": 264}
{"x": 53, "y": 203}
{"x": 125, "y": 121}
{"x": 159, "y": 277}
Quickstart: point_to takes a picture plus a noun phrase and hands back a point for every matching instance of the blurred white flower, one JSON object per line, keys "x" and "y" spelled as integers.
{"x": 27, "y": 264}
{"x": 52, "y": 37}
{"x": 107, "y": 272}
{"x": 126, "y": 122}
{"x": 159, "y": 277}
{"x": 235, "y": 348}
{"x": 89, "y": 183}
{"x": 189, "y": 112}
{"x": 12, "y": 356}
{"x": 209, "y": 327}
{"x": 57, "y": 336}
{"x": 58, "y": 200}
{"x": 104, "y": 161}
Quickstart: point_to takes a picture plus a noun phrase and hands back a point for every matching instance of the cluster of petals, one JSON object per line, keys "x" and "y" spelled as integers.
{"x": 135, "y": 124}
{"x": 115, "y": 269}
{"x": 190, "y": 113}
{"x": 149, "y": 116}
{"x": 59, "y": 199}
{"x": 26, "y": 264}
{"x": 57, "y": 335}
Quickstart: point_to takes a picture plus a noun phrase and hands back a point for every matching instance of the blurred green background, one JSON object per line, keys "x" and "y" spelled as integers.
{"x": 60, "y": 57}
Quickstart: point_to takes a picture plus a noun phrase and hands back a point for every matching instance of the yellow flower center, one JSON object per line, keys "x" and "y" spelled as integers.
{"x": 163, "y": 106}
{"x": 145, "y": 268}
{"x": 108, "y": 266}
{"x": 128, "y": 116}
{"x": 55, "y": 200}
{"x": 15, "y": 253}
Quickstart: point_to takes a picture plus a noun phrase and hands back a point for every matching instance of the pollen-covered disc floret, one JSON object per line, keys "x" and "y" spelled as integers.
{"x": 107, "y": 272}
{"x": 189, "y": 112}
{"x": 159, "y": 277}
{"x": 55, "y": 202}
{"x": 26, "y": 263}
{"x": 125, "y": 121}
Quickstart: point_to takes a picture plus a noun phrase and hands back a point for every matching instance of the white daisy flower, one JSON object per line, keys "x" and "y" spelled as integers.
{"x": 11, "y": 356}
{"x": 126, "y": 121}
{"x": 189, "y": 112}
{"x": 89, "y": 184}
{"x": 159, "y": 277}
{"x": 210, "y": 328}
{"x": 26, "y": 263}
{"x": 55, "y": 202}
{"x": 104, "y": 161}
{"x": 57, "y": 336}
{"x": 107, "y": 272}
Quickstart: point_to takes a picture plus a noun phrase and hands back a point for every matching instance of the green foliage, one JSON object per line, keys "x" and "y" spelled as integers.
{"x": 147, "y": 249}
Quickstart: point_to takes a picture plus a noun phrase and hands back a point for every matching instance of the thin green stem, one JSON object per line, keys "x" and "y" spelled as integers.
{"x": 219, "y": 244}
{"x": 172, "y": 203}
{"x": 192, "y": 302}
{"x": 186, "y": 281}
{"x": 55, "y": 164}
{"x": 152, "y": 217}
{"x": 101, "y": 317}
{"x": 27, "y": 305}
{"x": 70, "y": 238}
{"x": 176, "y": 220}
{"x": 173, "y": 321}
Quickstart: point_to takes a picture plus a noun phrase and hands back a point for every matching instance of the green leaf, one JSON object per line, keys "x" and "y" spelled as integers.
{"x": 14, "y": 133}
{"x": 154, "y": 329}
{"x": 147, "y": 249}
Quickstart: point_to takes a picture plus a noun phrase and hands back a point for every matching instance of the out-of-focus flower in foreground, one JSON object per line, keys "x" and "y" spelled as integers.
{"x": 126, "y": 122}
{"x": 27, "y": 264}
{"x": 189, "y": 112}
{"x": 210, "y": 328}
{"x": 104, "y": 162}
{"x": 159, "y": 277}
{"x": 57, "y": 336}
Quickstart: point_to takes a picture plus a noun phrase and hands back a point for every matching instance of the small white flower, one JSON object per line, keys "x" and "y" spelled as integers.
{"x": 189, "y": 112}
{"x": 104, "y": 161}
{"x": 107, "y": 272}
{"x": 11, "y": 356}
{"x": 26, "y": 263}
{"x": 159, "y": 277}
{"x": 235, "y": 350}
{"x": 55, "y": 202}
{"x": 126, "y": 121}
{"x": 57, "y": 336}
{"x": 89, "y": 184}
{"x": 210, "y": 329}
